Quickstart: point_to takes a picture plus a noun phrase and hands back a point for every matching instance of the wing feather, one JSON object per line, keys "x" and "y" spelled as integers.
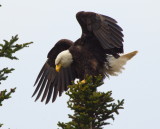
{"x": 40, "y": 74}
{"x": 49, "y": 82}
{"x": 50, "y": 90}
{"x": 62, "y": 83}
{"x": 42, "y": 85}
{"x": 104, "y": 41}
{"x": 104, "y": 28}
{"x": 107, "y": 18}
{"x": 110, "y": 24}
{"x": 55, "y": 90}
{"x": 40, "y": 81}
{"x": 67, "y": 79}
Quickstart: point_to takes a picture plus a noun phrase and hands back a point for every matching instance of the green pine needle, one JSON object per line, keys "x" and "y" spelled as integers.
{"x": 1, "y": 125}
{"x": 3, "y": 73}
{"x": 9, "y": 48}
{"x": 92, "y": 109}
{"x": 4, "y": 95}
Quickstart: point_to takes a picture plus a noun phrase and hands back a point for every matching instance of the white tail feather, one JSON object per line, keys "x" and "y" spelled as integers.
{"x": 117, "y": 65}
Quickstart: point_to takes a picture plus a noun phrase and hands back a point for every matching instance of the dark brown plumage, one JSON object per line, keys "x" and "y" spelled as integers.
{"x": 101, "y": 36}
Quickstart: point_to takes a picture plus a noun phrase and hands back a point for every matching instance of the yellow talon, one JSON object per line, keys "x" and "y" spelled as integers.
{"x": 82, "y": 82}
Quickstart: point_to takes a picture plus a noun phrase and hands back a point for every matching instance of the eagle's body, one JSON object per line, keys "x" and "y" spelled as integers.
{"x": 87, "y": 58}
{"x": 96, "y": 52}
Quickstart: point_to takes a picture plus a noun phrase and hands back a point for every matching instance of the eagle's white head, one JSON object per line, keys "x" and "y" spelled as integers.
{"x": 63, "y": 59}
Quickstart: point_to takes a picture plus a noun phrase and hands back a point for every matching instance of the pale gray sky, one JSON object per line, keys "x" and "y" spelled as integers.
{"x": 44, "y": 23}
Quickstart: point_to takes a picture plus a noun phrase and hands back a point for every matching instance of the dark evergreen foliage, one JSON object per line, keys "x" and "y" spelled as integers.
{"x": 7, "y": 49}
{"x": 92, "y": 109}
{"x": 4, "y": 95}
{"x": 3, "y": 73}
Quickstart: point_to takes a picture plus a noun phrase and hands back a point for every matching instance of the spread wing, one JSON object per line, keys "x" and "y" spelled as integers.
{"x": 49, "y": 82}
{"x": 104, "y": 28}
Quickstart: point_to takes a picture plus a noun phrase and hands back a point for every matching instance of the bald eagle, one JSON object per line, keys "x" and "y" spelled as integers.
{"x": 96, "y": 52}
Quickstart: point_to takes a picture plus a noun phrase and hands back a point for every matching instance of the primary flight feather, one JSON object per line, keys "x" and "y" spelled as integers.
{"x": 95, "y": 52}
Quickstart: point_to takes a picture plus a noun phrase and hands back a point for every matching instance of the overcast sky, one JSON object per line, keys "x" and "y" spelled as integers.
{"x": 45, "y": 22}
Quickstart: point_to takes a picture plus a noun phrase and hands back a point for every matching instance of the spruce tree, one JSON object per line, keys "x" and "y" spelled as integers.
{"x": 92, "y": 108}
{"x": 7, "y": 49}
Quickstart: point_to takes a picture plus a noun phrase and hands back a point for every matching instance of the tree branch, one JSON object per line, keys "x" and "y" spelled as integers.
{"x": 4, "y": 95}
{"x": 92, "y": 109}
{"x": 3, "y": 73}
{"x": 8, "y": 48}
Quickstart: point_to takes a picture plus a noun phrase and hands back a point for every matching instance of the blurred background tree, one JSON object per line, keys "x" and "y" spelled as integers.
{"x": 7, "y": 49}
{"x": 92, "y": 109}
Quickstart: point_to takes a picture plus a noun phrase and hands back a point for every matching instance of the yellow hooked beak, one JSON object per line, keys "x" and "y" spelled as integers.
{"x": 58, "y": 67}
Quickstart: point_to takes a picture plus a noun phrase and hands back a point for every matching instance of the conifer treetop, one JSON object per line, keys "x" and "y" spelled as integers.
{"x": 92, "y": 109}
